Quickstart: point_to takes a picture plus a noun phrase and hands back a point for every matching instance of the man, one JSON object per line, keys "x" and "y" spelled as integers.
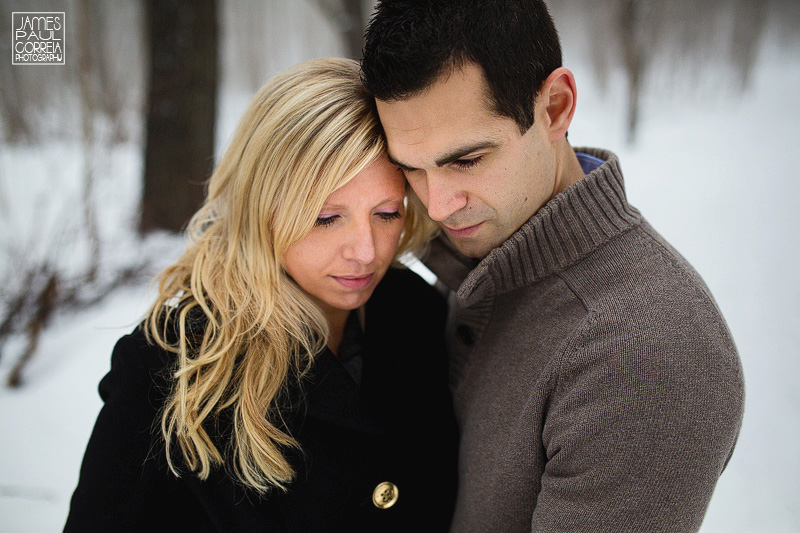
{"x": 596, "y": 384}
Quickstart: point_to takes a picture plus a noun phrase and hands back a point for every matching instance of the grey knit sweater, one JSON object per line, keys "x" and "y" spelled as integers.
{"x": 596, "y": 384}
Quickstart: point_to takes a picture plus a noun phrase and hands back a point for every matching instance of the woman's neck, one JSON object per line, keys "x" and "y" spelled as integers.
{"x": 337, "y": 318}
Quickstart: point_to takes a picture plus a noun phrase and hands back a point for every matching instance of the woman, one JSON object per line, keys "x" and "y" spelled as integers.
{"x": 275, "y": 385}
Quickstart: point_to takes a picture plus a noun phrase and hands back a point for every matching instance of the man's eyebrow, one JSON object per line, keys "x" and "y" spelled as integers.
{"x": 449, "y": 157}
{"x": 397, "y": 163}
{"x": 459, "y": 153}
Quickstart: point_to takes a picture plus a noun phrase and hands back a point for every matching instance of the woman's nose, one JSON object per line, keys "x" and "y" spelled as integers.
{"x": 360, "y": 244}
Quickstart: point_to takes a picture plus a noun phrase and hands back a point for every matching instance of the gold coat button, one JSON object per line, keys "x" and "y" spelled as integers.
{"x": 385, "y": 495}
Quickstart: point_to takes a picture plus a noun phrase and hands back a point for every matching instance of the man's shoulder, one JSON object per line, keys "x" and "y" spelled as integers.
{"x": 636, "y": 267}
{"x": 650, "y": 326}
{"x": 641, "y": 295}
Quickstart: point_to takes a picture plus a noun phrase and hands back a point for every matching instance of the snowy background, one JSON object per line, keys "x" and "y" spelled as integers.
{"x": 711, "y": 167}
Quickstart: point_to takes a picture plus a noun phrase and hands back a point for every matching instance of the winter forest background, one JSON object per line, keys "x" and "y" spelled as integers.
{"x": 699, "y": 99}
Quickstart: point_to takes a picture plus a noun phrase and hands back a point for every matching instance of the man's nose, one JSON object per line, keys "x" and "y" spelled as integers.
{"x": 360, "y": 244}
{"x": 443, "y": 197}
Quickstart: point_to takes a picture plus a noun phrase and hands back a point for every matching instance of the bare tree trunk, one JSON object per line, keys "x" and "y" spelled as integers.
{"x": 111, "y": 95}
{"x": 748, "y": 29}
{"x": 14, "y": 126}
{"x": 354, "y": 30}
{"x": 181, "y": 110}
{"x": 633, "y": 59}
{"x": 88, "y": 114}
{"x": 347, "y": 17}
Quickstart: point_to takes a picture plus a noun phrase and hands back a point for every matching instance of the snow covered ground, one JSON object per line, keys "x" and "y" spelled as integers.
{"x": 715, "y": 177}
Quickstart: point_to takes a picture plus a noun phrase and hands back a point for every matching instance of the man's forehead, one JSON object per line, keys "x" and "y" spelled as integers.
{"x": 418, "y": 139}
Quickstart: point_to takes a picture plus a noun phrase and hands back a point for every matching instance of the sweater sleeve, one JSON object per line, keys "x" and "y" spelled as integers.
{"x": 640, "y": 424}
{"x": 124, "y": 483}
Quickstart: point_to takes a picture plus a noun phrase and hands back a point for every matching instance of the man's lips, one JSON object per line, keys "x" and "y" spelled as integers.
{"x": 354, "y": 282}
{"x": 466, "y": 231}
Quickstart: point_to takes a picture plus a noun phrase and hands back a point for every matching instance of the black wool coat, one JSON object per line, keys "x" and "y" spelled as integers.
{"x": 397, "y": 426}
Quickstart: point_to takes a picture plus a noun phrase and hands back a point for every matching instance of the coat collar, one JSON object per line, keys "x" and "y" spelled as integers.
{"x": 330, "y": 394}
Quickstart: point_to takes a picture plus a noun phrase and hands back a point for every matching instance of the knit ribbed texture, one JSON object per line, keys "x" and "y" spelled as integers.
{"x": 596, "y": 384}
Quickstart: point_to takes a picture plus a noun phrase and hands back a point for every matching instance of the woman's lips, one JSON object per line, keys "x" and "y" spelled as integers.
{"x": 467, "y": 231}
{"x": 354, "y": 282}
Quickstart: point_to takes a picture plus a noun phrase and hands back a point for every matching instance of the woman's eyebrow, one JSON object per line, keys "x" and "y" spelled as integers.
{"x": 398, "y": 198}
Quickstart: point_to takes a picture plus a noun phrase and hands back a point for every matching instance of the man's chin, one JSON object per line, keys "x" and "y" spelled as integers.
{"x": 471, "y": 247}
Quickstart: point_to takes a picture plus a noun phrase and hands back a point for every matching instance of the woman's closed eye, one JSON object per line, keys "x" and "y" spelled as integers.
{"x": 393, "y": 215}
{"x": 326, "y": 220}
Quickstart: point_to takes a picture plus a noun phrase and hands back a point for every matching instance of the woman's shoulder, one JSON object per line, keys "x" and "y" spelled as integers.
{"x": 138, "y": 364}
{"x": 141, "y": 347}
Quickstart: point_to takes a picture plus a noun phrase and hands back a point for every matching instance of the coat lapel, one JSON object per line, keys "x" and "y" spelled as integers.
{"x": 332, "y": 396}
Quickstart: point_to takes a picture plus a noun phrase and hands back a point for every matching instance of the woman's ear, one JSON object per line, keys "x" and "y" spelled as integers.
{"x": 558, "y": 95}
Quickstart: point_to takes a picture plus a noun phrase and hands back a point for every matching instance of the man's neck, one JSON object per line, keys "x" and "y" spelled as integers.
{"x": 569, "y": 169}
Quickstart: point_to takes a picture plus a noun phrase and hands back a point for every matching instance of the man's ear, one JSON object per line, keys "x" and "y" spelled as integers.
{"x": 559, "y": 96}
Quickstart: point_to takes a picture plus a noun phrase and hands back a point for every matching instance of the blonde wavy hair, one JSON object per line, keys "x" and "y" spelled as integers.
{"x": 239, "y": 326}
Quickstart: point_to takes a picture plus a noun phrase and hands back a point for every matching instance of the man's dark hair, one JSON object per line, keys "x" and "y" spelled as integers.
{"x": 410, "y": 43}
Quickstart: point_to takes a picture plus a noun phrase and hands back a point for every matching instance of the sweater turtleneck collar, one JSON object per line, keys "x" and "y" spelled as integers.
{"x": 577, "y": 221}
